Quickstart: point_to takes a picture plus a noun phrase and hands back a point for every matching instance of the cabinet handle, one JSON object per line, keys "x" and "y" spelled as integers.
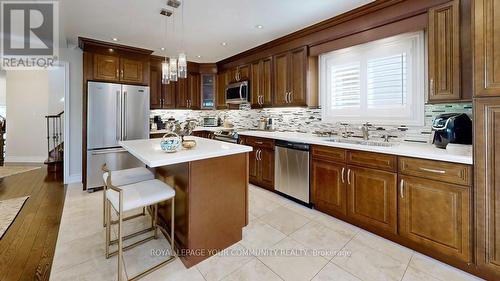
{"x": 259, "y": 142}
{"x": 432, "y": 170}
{"x": 286, "y": 97}
{"x": 432, "y": 86}
{"x": 343, "y": 170}
{"x": 117, "y": 73}
{"x": 122, "y": 73}
{"x": 291, "y": 96}
{"x": 401, "y": 188}
{"x": 257, "y": 155}
{"x": 349, "y": 176}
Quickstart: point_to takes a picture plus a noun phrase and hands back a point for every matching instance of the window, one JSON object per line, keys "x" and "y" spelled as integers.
{"x": 381, "y": 82}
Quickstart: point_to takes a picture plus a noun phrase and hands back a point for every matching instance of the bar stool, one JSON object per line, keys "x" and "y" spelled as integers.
{"x": 124, "y": 177}
{"x": 133, "y": 196}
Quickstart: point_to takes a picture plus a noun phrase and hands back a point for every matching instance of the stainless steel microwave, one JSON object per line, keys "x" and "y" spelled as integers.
{"x": 237, "y": 92}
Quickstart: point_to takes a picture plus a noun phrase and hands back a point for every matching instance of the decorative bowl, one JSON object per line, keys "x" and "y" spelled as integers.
{"x": 170, "y": 142}
{"x": 188, "y": 144}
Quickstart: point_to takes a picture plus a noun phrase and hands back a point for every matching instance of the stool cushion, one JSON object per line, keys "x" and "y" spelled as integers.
{"x": 129, "y": 176}
{"x": 141, "y": 194}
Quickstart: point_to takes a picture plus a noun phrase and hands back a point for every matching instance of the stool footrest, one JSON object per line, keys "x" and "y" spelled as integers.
{"x": 115, "y": 241}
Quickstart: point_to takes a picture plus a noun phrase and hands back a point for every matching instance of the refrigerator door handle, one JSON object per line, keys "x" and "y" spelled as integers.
{"x": 124, "y": 106}
{"x": 118, "y": 117}
{"x": 107, "y": 151}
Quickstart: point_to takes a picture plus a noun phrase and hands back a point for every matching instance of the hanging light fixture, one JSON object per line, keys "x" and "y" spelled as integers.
{"x": 182, "y": 56}
{"x": 165, "y": 67}
{"x": 173, "y": 68}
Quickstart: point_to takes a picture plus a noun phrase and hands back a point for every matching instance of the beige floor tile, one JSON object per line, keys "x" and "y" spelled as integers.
{"x": 141, "y": 258}
{"x": 302, "y": 210}
{"x": 438, "y": 269}
{"x": 221, "y": 265}
{"x": 292, "y": 263}
{"x": 259, "y": 235}
{"x": 252, "y": 271}
{"x": 259, "y": 191}
{"x": 259, "y": 206}
{"x": 335, "y": 223}
{"x": 284, "y": 220}
{"x": 332, "y": 272}
{"x": 384, "y": 246}
{"x": 101, "y": 269}
{"x": 318, "y": 237}
{"x": 174, "y": 271}
{"x": 413, "y": 274}
{"x": 79, "y": 251}
{"x": 369, "y": 264}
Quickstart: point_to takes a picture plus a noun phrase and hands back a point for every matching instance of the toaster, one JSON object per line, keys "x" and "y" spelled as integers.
{"x": 452, "y": 128}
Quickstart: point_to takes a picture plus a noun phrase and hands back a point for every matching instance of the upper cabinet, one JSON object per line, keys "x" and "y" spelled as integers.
{"x": 162, "y": 96}
{"x": 290, "y": 72}
{"x": 115, "y": 63}
{"x": 444, "y": 52}
{"x": 486, "y": 48}
{"x": 222, "y": 81}
{"x": 260, "y": 82}
{"x": 239, "y": 73}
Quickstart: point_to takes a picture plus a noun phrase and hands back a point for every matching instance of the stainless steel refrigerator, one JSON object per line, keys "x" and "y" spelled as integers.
{"x": 114, "y": 112}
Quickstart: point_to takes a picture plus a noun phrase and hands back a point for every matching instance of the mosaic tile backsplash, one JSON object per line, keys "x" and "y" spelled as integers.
{"x": 309, "y": 120}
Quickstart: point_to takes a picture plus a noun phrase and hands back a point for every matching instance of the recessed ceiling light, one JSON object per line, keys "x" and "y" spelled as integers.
{"x": 115, "y": 39}
{"x": 162, "y": 48}
{"x": 259, "y": 26}
{"x": 198, "y": 56}
{"x": 223, "y": 43}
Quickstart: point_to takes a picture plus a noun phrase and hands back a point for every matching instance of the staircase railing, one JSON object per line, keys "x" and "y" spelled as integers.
{"x": 55, "y": 137}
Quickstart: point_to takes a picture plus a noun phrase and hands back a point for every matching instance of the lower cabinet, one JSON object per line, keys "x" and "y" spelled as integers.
{"x": 329, "y": 186}
{"x": 261, "y": 161}
{"x": 372, "y": 198}
{"x": 203, "y": 134}
{"x": 435, "y": 215}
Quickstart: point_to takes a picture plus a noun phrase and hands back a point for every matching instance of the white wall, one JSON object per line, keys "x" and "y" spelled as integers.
{"x": 73, "y": 155}
{"x": 3, "y": 89}
{"x": 27, "y": 104}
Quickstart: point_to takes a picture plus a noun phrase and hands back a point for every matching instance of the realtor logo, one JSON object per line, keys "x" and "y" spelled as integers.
{"x": 29, "y": 34}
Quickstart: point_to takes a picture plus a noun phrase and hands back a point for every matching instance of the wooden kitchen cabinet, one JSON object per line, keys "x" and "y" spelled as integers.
{"x": 106, "y": 67}
{"x": 113, "y": 68}
{"x": 239, "y": 73}
{"x": 372, "y": 198}
{"x": 222, "y": 82}
{"x": 444, "y": 52}
{"x": 261, "y": 161}
{"x": 194, "y": 88}
{"x": 329, "y": 186}
{"x": 131, "y": 70}
{"x": 436, "y": 215}
{"x": 290, "y": 72}
{"x": 162, "y": 96}
{"x": 260, "y": 83}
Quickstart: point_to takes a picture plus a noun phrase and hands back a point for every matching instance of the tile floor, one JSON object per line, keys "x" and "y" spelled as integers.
{"x": 283, "y": 241}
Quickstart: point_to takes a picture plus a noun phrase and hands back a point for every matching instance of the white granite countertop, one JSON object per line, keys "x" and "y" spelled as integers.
{"x": 197, "y": 129}
{"x": 150, "y": 153}
{"x": 417, "y": 150}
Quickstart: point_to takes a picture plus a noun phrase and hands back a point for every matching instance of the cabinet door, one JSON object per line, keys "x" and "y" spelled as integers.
{"x": 181, "y": 99}
{"x": 155, "y": 86}
{"x": 329, "y": 187}
{"x": 486, "y": 47}
{"x": 243, "y": 72}
{"x": 297, "y": 83}
{"x": 255, "y": 85}
{"x": 372, "y": 198}
{"x": 169, "y": 95}
{"x": 266, "y": 77}
{"x": 281, "y": 79}
{"x": 232, "y": 75}
{"x": 444, "y": 52}
{"x": 266, "y": 165}
{"x": 486, "y": 182}
{"x": 194, "y": 93}
{"x": 436, "y": 216}
{"x": 131, "y": 71}
{"x": 253, "y": 167}
{"x": 221, "y": 90}
{"x": 106, "y": 67}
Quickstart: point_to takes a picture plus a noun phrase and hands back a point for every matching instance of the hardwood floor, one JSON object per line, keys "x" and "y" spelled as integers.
{"x": 27, "y": 248}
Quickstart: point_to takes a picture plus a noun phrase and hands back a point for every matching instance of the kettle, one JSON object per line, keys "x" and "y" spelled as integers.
{"x": 451, "y": 128}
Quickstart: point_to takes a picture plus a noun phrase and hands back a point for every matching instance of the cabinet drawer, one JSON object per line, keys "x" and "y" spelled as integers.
{"x": 436, "y": 170}
{"x": 328, "y": 153}
{"x": 372, "y": 160}
{"x": 260, "y": 142}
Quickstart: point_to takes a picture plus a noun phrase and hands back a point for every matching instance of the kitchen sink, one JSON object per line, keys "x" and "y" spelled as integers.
{"x": 364, "y": 142}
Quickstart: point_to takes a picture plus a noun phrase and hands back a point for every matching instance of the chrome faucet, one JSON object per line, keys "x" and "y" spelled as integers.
{"x": 365, "y": 129}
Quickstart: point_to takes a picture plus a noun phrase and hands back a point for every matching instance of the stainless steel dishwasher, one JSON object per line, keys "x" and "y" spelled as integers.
{"x": 291, "y": 171}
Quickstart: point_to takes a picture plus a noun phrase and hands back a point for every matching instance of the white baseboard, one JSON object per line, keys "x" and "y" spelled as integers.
{"x": 75, "y": 178}
{"x": 25, "y": 159}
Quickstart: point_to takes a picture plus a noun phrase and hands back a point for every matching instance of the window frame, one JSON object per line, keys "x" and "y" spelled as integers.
{"x": 412, "y": 114}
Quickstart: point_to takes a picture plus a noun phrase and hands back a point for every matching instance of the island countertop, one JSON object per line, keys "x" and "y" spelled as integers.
{"x": 150, "y": 153}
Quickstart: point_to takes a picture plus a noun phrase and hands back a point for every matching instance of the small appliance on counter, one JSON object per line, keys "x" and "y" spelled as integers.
{"x": 455, "y": 128}
{"x": 160, "y": 125}
{"x": 210, "y": 121}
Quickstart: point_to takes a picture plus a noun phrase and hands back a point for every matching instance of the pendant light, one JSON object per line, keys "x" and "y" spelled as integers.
{"x": 165, "y": 67}
{"x": 173, "y": 60}
{"x": 182, "y": 56}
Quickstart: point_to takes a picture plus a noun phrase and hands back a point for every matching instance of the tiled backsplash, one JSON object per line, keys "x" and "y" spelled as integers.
{"x": 309, "y": 120}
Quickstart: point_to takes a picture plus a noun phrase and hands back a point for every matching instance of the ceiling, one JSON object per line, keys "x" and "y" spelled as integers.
{"x": 206, "y": 23}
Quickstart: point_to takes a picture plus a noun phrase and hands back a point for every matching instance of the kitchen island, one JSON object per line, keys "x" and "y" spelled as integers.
{"x": 211, "y": 185}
